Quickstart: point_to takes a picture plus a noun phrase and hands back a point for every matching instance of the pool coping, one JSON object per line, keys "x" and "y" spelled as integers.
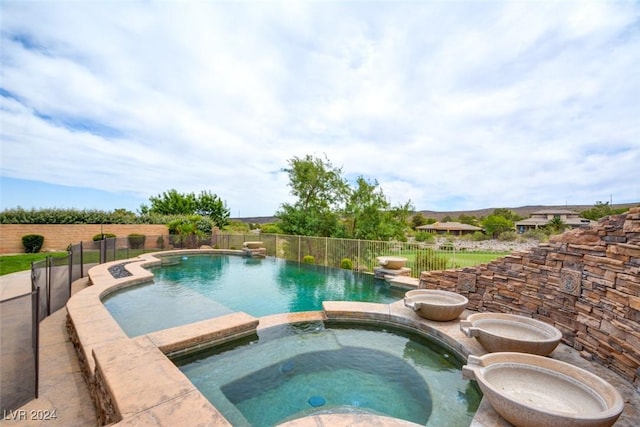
{"x": 132, "y": 381}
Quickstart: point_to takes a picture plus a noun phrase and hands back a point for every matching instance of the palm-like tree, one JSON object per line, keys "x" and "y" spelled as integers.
{"x": 557, "y": 224}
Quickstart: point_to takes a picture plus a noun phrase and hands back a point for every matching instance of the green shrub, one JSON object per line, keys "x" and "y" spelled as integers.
{"x": 32, "y": 243}
{"x": 538, "y": 234}
{"x": 136, "y": 241}
{"x": 346, "y": 264}
{"x": 423, "y": 236}
{"x": 74, "y": 216}
{"x": 205, "y": 226}
{"x": 507, "y": 236}
{"x": 270, "y": 228}
{"x": 101, "y": 236}
{"x": 308, "y": 259}
{"x": 479, "y": 236}
{"x": 160, "y": 242}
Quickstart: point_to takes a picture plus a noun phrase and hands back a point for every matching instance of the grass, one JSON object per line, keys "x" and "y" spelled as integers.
{"x": 20, "y": 262}
{"x": 459, "y": 259}
{"x": 469, "y": 259}
{"x": 14, "y": 263}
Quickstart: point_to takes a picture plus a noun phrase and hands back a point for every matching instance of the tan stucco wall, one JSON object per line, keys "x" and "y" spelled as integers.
{"x": 58, "y": 236}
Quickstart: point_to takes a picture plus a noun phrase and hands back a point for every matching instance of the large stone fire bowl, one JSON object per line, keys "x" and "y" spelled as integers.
{"x": 531, "y": 391}
{"x": 253, "y": 245}
{"x": 509, "y": 332}
{"x": 392, "y": 262}
{"x": 433, "y": 304}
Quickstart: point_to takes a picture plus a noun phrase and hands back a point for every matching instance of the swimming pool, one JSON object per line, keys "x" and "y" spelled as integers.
{"x": 197, "y": 287}
{"x": 297, "y": 370}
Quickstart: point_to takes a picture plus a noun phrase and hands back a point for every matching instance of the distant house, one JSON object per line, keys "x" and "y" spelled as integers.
{"x": 456, "y": 228}
{"x": 541, "y": 218}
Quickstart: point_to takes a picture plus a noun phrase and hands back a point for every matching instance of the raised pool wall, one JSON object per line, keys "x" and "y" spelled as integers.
{"x": 585, "y": 282}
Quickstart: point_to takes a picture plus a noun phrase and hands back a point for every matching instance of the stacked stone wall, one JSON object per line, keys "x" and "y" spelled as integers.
{"x": 58, "y": 236}
{"x": 586, "y": 282}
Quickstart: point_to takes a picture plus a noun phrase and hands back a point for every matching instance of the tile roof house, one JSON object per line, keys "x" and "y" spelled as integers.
{"x": 541, "y": 218}
{"x": 457, "y": 228}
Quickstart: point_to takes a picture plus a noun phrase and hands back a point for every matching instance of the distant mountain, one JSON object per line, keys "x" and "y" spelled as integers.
{"x": 523, "y": 211}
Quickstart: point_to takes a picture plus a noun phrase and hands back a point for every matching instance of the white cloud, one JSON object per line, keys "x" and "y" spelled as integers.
{"x": 454, "y": 105}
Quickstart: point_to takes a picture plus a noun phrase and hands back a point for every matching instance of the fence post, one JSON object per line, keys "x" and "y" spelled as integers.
{"x": 36, "y": 337}
{"x": 49, "y": 269}
{"x": 326, "y": 251}
{"x": 70, "y": 263}
{"x": 103, "y": 251}
{"x": 81, "y": 260}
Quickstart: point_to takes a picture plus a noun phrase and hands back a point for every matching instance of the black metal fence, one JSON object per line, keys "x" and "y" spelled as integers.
{"x": 19, "y": 350}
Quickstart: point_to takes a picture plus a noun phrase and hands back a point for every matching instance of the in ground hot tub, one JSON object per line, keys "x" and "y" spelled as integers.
{"x": 508, "y": 332}
{"x": 531, "y": 391}
{"x": 299, "y": 370}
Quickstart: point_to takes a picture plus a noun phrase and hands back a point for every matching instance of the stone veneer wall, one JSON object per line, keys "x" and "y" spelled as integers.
{"x": 58, "y": 236}
{"x": 586, "y": 282}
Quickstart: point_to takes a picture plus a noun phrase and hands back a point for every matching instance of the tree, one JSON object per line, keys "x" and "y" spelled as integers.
{"x": 557, "y": 224}
{"x": 507, "y": 213}
{"x": 369, "y": 216}
{"x": 174, "y": 203}
{"x": 468, "y": 219}
{"x": 210, "y": 205}
{"x": 600, "y": 210}
{"x": 327, "y": 206}
{"x": 365, "y": 212}
{"x": 496, "y": 224}
{"x": 397, "y": 220}
{"x": 320, "y": 191}
{"x": 417, "y": 220}
{"x": 171, "y": 203}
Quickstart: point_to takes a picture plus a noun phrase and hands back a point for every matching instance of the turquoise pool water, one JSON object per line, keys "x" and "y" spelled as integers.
{"x": 194, "y": 288}
{"x": 296, "y": 370}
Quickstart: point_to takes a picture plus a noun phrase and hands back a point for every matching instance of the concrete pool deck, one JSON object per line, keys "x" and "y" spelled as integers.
{"x": 129, "y": 367}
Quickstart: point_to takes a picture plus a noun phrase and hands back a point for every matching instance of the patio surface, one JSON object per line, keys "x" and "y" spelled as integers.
{"x": 62, "y": 387}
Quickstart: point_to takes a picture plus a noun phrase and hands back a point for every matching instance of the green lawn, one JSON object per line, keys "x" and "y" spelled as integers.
{"x": 457, "y": 259}
{"x": 14, "y": 263}
{"x": 20, "y": 262}
{"x": 469, "y": 259}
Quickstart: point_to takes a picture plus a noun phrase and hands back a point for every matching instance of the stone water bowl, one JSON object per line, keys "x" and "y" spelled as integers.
{"x": 531, "y": 391}
{"x": 434, "y": 304}
{"x": 392, "y": 262}
{"x": 509, "y": 332}
{"x": 253, "y": 245}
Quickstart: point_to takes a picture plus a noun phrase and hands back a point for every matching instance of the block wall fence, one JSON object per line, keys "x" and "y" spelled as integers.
{"x": 58, "y": 236}
{"x": 586, "y": 282}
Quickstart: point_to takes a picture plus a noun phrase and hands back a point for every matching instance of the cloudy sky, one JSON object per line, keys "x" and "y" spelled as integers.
{"x": 452, "y": 105}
